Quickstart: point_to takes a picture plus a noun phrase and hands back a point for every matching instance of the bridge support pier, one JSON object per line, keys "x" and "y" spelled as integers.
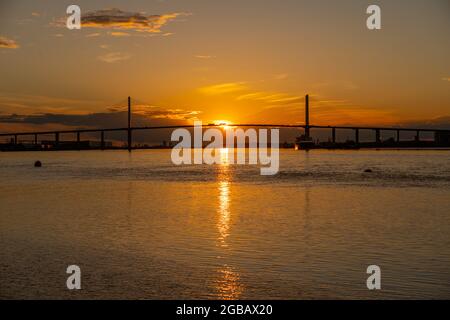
{"x": 36, "y": 139}
{"x": 78, "y": 140}
{"x": 15, "y": 139}
{"x": 357, "y": 136}
{"x": 418, "y": 136}
{"x": 103, "y": 140}
{"x": 56, "y": 139}
{"x": 377, "y": 136}
{"x": 333, "y": 134}
{"x": 398, "y": 136}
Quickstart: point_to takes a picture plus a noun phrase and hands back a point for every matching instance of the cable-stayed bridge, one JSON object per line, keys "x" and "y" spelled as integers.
{"x": 441, "y": 136}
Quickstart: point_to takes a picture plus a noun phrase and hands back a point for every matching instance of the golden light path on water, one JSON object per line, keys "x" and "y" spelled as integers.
{"x": 224, "y": 212}
{"x": 228, "y": 285}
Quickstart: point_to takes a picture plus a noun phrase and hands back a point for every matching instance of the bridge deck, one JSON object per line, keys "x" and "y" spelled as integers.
{"x": 212, "y": 126}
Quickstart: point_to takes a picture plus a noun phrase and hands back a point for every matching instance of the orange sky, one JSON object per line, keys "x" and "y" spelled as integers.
{"x": 242, "y": 61}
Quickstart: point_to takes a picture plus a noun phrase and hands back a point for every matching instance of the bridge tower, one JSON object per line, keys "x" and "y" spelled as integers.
{"x": 129, "y": 125}
{"x": 307, "y": 131}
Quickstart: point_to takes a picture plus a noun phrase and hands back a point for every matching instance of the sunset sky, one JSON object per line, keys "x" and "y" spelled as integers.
{"x": 244, "y": 61}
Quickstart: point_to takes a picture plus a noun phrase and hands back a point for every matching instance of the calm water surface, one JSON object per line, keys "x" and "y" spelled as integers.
{"x": 140, "y": 227}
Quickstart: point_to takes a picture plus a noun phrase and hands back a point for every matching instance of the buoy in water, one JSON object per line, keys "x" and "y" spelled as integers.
{"x": 38, "y": 164}
{"x": 368, "y": 171}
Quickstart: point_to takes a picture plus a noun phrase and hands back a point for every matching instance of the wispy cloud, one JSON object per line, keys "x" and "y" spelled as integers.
{"x": 199, "y": 56}
{"x": 24, "y": 103}
{"x": 340, "y": 85}
{"x": 446, "y": 79}
{"x": 157, "y": 112}
{"x": 281, "y": 76}
{"x": 241, "y": 91}
{"x": 93, "y": 35}
{"x": 119, "y": 34}
{"x": 271, "y": 97}
{"x": 271, "y": 104}
{"x": 223, "y": 88}
{"x": 122, "y": 20}
{"x": 8, "y": 43}
{"x": 113, "y": 57}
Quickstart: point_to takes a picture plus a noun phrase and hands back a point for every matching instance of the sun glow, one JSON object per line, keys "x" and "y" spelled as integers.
{"x": 224, "y": 124}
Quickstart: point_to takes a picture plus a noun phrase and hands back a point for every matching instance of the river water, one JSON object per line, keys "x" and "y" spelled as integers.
{"x": 140, "y": 227}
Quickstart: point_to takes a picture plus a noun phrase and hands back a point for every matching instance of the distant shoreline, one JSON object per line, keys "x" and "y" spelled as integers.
{"x": 281, "y": 148}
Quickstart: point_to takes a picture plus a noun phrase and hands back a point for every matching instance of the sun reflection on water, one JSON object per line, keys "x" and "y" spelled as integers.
{"x": 223, "y": 224}
{"x": 228, "y": 284}
{"x": 225, "y": 161}
{"x": 224, "y": 213}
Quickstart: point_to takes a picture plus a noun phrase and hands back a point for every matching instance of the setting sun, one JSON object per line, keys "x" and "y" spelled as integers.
{"x": 224, "y": 124}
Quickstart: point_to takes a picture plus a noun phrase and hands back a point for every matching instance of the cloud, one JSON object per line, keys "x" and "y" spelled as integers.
{"x": 119, "y": 34}
{"x": 203, "y": 56}
{"x": 442, "y": 122}
{"x": 114, "y": 57}
{"x": 155, "y": 112}
{"x": 34, "y": 109}
{"x": 240, "y": 91}
{"x": 275, "y": 105}
{"x": 23, "y": 103}
{"x": 271, "y": 97}
{"x": 446, "y": 79}
{"x": 122, "y": 20}
{"x": 93, "y": 35}
{"x": 115, "y": 117}
{"x": 35, "y": 14}
{"x": 281, "y": 76}
{"x": 111, "y": 119}
{"x": 223, "y": 88}
{"x": 8, "y": 43}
